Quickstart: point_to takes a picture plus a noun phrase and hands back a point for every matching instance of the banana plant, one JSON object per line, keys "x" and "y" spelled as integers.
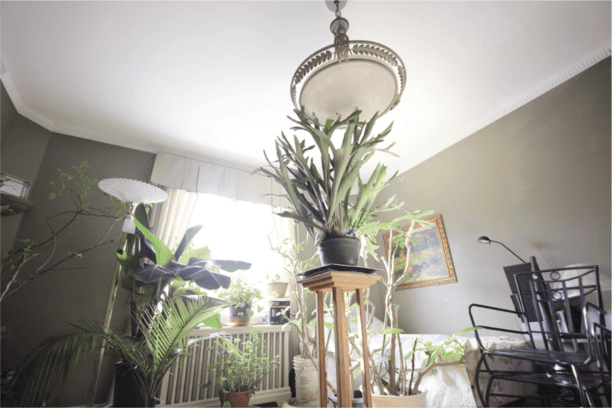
{"x": 320, "y": 194}
{"x": 151, "y": 265}
{"x": 148, "y": 359}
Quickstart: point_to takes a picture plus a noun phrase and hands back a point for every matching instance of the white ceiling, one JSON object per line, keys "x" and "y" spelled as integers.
{"x": 210, "y": 80}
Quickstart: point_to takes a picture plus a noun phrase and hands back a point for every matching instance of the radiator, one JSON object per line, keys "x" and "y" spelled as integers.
{"x": 181, "y": 385}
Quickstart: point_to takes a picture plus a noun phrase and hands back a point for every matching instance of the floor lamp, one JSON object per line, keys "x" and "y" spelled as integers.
{"x": 132, "y": 193}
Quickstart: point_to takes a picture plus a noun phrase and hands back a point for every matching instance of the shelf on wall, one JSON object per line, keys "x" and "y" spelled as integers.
{"x": 15, "y": 204}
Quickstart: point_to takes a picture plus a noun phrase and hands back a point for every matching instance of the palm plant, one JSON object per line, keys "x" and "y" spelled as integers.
{"x": 320, "y": 195}
{"x": 163, "y": 341}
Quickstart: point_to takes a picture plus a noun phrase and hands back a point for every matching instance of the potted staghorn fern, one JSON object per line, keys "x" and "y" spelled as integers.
{"x": 320, "y": 195}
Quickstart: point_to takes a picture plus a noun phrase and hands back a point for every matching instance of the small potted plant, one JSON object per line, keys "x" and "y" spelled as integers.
{"x": 276, "y": 286}
{"x": 239, "y": 368}
{"x": 320, "y": 195}
{"x": 241, "y": 295}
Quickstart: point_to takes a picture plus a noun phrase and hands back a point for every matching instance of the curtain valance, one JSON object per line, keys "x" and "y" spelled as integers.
{"x": 197, "y": 176}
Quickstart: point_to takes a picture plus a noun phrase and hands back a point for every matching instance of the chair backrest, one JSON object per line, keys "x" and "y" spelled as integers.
{"x": 558, "y": 297}
{"x": 525, "y": 307}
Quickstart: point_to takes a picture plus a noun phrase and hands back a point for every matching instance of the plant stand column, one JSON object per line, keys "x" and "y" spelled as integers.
{"x": 338, "y": 283}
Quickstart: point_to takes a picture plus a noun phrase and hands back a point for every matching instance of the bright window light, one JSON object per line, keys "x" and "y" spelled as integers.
{"x": 238, "y": 230}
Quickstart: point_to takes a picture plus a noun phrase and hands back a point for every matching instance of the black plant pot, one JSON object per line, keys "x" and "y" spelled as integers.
{"x": 340, "y": 250}
{"x": 126, "y": 388}
{"x": 356, "y": 401}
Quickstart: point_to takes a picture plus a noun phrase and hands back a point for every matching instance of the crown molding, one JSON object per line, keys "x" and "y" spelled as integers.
{"x": 123, "y": 141}
{"x": 524, "y": 99}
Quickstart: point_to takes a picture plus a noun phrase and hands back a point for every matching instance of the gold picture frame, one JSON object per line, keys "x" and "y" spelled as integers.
{"x": 430, "y": 258}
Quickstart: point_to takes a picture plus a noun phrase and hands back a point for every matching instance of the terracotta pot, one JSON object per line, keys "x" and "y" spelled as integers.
{"x": 278, "y": 289}
{"x": 238, "y": 316}
{"x": 392, "y": 401}
{"x": 340, "y": 250}
{"x": 237, "y": 399}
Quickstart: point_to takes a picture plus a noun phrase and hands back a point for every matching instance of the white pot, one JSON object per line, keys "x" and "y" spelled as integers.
{"x": 306, "y": 382}
{"x": 389, "y": 401}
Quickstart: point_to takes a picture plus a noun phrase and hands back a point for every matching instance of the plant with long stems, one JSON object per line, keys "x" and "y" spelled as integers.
{"x": 320, "y": 195}
{"x": 22, "y": 259}
{"x": 240, "y": 365}
{"x": 390, "y": 375}
{"x": 163, "y": 341}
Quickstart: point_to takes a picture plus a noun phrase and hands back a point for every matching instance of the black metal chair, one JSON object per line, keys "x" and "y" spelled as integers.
{"x": 559, "y": 340}
{"x": 599, "y": 343}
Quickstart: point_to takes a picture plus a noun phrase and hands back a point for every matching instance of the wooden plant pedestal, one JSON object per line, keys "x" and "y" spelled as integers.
{"x": 338, "y": 283}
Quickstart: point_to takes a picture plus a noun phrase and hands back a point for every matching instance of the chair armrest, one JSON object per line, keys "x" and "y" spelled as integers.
{"x": 485, "y": 327}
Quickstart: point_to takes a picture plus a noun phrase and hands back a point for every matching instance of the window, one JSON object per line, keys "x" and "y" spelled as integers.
{"x": 239, "y": 230}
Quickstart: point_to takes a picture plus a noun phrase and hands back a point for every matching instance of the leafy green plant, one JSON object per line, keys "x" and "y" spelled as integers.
{"x": 391, "y": 375}
{"x": 321, "y": 194}
{"x": 293, "y": 265}
{"x": 240, "y": 365}
{"x": 164, "y": 341}
{"x": 36, "y": 259}
{"x": 448, "y": 353}
{"x": 241, "y": 293}
{"x": 156, "y": 273}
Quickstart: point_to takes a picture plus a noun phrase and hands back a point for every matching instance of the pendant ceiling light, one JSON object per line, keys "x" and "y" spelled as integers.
{"x": 346, "y": 75}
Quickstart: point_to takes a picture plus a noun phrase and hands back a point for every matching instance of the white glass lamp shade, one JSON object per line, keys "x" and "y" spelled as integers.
{"x": 133, "y": 191}
{"x": 340, "y": 88}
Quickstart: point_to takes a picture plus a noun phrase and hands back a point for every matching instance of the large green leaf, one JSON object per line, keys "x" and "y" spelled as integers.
{"x": 189, "y": 234}
{"x": 162, "y": 252}
{"x": 214, "y": 321}
{"x": 200, "y": 253}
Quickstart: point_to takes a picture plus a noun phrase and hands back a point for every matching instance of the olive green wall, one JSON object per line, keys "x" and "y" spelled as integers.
{"x": 7, "y": 112}
{"x": 21, "y": 152}
{"x": 537, "y": 180}
{"x": 48, "y": 305}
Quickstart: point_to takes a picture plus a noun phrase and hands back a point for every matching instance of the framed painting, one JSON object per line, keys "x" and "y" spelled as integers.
{"x": 430, "y": 258}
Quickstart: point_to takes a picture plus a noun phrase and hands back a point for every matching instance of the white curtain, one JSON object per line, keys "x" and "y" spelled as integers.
{"x": 172, "y": 217}
{"x": 193, "y": 175}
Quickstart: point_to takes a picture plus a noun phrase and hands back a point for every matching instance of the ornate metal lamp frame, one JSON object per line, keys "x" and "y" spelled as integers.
{"x": 344, "y": 51}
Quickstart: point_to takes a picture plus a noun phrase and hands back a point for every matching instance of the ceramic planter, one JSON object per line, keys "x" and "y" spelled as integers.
{"x": 392, "y": 401}
{"x": 278, "y": 289}
{"x": 340, "y": 250}
{"x": 238, "y": 316}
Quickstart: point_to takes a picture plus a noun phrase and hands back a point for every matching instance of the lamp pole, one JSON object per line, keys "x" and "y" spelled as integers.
{"x": 486, "y": 240}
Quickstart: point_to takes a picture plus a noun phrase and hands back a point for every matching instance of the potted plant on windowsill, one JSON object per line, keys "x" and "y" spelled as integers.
{"x": 276, "y": 286}
{"x": 241, "y": 295}
{"x": 320, "y": 195}
{"x": 239, "y": 368}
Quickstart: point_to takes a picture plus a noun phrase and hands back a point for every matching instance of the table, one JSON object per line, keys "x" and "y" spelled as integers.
{"x": 338, "y": 283}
